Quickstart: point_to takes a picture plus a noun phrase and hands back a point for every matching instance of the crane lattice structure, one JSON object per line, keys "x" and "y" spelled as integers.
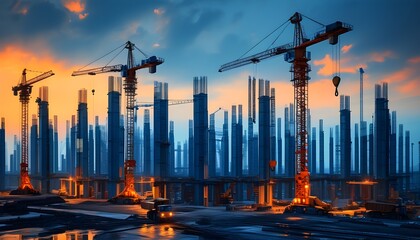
{"x": 130, "y": 86}
{"x": 24, "y": 89}
{"x": 171, "y": 102}
{"x": 296, "y": 54}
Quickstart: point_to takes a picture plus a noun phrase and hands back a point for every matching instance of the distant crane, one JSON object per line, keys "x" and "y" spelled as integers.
{"x": 170, "y": 103}
{"x": 24, "y": 89}
{"x": 297, "y": 55}
{"x": 361, "y": 71}
{"x": 130, "y": 86}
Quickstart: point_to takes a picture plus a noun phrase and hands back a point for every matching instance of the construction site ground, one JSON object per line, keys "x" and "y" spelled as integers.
{"x": 98, "y": 219}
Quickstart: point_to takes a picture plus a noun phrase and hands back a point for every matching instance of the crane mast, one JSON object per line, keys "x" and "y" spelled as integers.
{"x": 130, "y": 87}
{"x": 296, "y": 54}
{"x": 300, "y": 77}
{"x": 24, "y": 89}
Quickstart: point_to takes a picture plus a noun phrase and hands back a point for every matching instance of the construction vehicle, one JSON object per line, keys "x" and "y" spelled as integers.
{"x": 296, "y": 54}
{"x": 128, "y": 71}
{"x": 391, "y": 209}
{"x": 24, "y": 89}
{"x": 159, "y": 209}
{"x": 315, "y": 206}
{"x": 162, "y": 213}
{"x": 154, "y": 203}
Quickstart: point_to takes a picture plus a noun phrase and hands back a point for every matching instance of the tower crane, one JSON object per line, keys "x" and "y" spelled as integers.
{"x": 24, "y": 89}
{"x": 128, "y": 71}
{"x": 296, "y": 54}
{"x": 170, "y": 103}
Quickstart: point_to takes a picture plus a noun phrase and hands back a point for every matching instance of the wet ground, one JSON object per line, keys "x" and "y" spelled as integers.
{"x": 97, "y": 219}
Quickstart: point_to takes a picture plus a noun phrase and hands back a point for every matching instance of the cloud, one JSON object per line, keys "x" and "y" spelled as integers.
{"x": 24, "y": 21}
{"x": 346, "y": 48}
{"x": 158, "y": 11}
{"x": 129, "y": 30}
{"x": 20, "y": 7}
{"x": 329, "y": 66}
{"x": 398, "y": 76}
{"x": 409, "y": 87}
{"x": 76, "y": 6}
{"x": 380, "y": 56}
{"x": 414, "y": 60}
{"x": 184, "y": 27}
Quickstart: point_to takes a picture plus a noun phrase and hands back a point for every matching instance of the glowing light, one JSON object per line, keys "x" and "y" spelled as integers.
{"x": 294, "y": 218}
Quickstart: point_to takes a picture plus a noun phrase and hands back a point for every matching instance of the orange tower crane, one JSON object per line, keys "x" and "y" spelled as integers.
{"x": 25, "y": 89}
{"x": 130, "y": 86}
{"x": 296, "y": 54}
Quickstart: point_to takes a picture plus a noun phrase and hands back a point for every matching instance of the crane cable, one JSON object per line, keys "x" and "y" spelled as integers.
{"x": 144, "y": 54}
{"x": 278, "y": 35}
{"x": 103, "y": 57}
{"x": 263, "y": 39}
{"x": 335, "y": 52}
{"x": 313, "y": 20}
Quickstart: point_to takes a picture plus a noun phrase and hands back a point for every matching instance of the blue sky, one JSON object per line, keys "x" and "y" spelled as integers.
{"x": 195, "y": 37}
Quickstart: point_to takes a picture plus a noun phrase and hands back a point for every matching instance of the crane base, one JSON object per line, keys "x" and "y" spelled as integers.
{"x": 24, "y": 191}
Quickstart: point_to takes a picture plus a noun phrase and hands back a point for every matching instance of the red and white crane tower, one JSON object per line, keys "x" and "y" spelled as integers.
{"x": 130, "y": 86}
{"x": 296, "y": 54}
{"x": 24, "y": 89}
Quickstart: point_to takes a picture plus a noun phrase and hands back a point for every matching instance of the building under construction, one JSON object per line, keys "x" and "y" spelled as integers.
{"x": 233, "y": 172}
{"x": 114, "y": 160}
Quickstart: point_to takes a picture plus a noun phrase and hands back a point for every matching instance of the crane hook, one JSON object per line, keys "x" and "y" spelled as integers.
{"x": 336, "y": 81}
{"x": 93, "y": 91}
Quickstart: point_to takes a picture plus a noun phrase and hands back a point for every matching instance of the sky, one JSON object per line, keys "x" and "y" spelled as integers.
{"x": 195, "y": 37}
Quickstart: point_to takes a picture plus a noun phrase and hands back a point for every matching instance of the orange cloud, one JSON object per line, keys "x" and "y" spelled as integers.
{"x": 398, "y": 76}
{"x": 77, "y": 7}
{"x": 83, "y": 15}
{"x": 380, "y": 57}
{"x": 329, "y": 66}
{"x": 346, "y": 48}
{"x": 414, "y": 60}
{"x": 409, "y": 87}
